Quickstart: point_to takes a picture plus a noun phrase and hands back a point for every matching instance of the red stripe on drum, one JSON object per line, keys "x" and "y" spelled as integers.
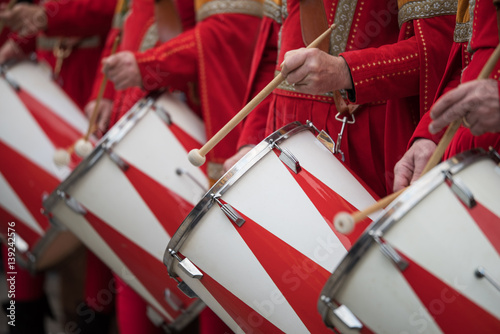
{"x": 168, "y": 207}
{"x": 28, "y": 180}
{"x": 299, "y": 278}
{"x": 249, "y": 320}
{"x": 150, "y": 272}
{"x": 188, "y": 142}
{"x": 60, "y": 133}
{"x": 452, "y": 311}
{"x": 329, "y": 203}
{"x": 488, "y": 222}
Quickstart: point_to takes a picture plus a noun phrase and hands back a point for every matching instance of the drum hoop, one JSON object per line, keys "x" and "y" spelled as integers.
{"x": 225, "y": 183}
{"x": 107, "y": 142}
{"x": 401, "y": 206}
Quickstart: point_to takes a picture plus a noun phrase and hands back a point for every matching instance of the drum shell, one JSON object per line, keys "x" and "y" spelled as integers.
{"x": 115, "y": 200}
{"x": 445, "y": 244}
{"x": 291, "y": 220}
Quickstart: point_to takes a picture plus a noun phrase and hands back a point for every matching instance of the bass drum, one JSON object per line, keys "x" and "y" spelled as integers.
{"x": 36, "y": 119}
{"x": 258, "y": 248}
{"x": 128, "y": 197}
{"x": 431, "y": 262}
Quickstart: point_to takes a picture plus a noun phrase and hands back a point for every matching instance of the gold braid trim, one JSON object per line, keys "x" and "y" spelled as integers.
{"x": 249, "y": 7}
{"x": 421, "y": 9}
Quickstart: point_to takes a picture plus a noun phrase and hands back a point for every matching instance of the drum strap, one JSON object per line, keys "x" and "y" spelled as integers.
{"x": 313, "y": 22}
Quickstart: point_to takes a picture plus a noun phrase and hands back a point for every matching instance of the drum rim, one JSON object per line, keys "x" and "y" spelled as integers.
{"x": 389, "y": 217}
{"x": 225, "y": 183}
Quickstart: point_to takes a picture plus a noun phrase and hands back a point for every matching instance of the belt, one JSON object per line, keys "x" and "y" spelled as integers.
{"x": 50, "y": 43}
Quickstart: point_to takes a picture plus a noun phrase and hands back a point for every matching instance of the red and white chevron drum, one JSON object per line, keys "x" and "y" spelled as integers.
{"x": 261, "y": 244}
{"x": 128, "y": 197}
{"x": 36, "y": 118}
{"x": 431, "y": 263}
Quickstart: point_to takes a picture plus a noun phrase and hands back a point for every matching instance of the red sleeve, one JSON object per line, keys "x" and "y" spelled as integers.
{"x": 109, "y": 91}
{"x": 172, "y": 64}
{"x": 27, "y": 44}
{"x": 261, "y": 73}
{"x": 387, "y": 72}
{"x": 422, "y": 129}
{"x": 79, "y": 17}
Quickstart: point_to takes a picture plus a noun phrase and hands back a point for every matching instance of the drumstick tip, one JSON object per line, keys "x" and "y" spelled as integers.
{"x": 344, "y": 222}
{"x": 195, "y": 158}
{"x": 83, "y": 147}
{"x": 61, "y": 158}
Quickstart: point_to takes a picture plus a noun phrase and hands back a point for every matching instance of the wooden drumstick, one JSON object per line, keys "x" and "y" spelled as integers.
{"x": 83, "y": 146}
{"x": 344, "y": 222}
{"x": 197, "y": 156}
{"x": 9, "y": 6}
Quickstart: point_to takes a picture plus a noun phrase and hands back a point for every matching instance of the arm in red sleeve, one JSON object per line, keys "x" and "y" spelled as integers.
{"x": 261, "y": 73}
{"x": 172, "y": 64}
{"x": 27, "y": 44}
{"x": 387, "y": 72}
{"x": 79, "y": 17}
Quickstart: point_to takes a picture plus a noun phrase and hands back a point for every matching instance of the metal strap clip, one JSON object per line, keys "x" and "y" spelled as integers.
{"x": 341, "y": 133}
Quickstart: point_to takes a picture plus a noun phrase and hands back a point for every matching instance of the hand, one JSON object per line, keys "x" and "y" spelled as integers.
{"x": 26, "y": 19}
{"x": 411, "y": 165}
{"x": 475, "y": 102}
{"x": 122, "y": 70}
{"x": 10, "y": 50}
{"x": 235, "y": 158}
{"x": 313, "y": 71}
{"x": 103, "y": 114}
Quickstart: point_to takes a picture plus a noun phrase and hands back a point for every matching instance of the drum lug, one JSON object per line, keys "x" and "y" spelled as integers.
{"x": 389, "y": 251}
{"x": 229, "y": 211}
{"x": 460, "y": 190}
{"x": 288, "y": 159}
{"x": 164, "y": 115}
{"x": 72, "y": 203}
{"x": 172, "y": 300}
{"x": 187, "y": 266}
{"x": 344, "y": 314}
{"x": 186, "y": 289}
{"x": 117, "y": 160}
{"x": 481, "y": 273}
{"x": 327, "y": 141}
{"x": 15, "y": 86}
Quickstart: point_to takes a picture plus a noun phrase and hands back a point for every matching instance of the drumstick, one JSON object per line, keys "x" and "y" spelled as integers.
{"x": 83, "y": 146}
{"x": 197, "y": 156}
{"x": 344, "y": 222}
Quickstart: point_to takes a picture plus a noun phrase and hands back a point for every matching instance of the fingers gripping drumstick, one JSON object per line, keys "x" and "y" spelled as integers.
{"x": 344, "y": 222}
{"x": 197, "y": 157}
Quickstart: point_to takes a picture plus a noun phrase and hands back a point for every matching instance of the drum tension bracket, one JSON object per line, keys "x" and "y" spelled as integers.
{"x": 288, "y": 158}
{"x": 117, "y": 160}
{"x": 343, "y": 313}
{"x": 186, "y": 265}
{"x": 71, "y": 202}
{"x": 460, "y": 190}
{"x": 229, "y": 211}
{"x": 389, "y": 252}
